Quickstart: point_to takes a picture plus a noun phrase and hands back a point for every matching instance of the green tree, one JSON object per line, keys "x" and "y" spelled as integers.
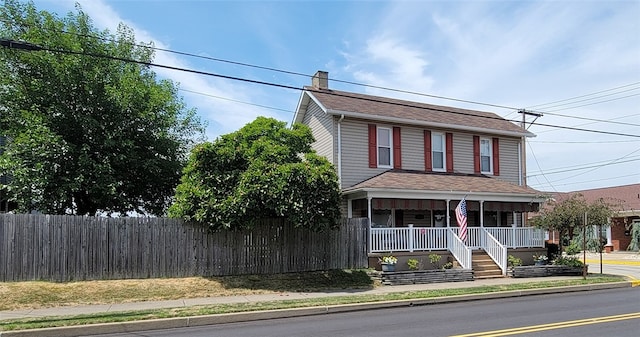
{"x": 87, "y": 134}
{"x": 567, "y": 215}
{"x": 263, "y": 170}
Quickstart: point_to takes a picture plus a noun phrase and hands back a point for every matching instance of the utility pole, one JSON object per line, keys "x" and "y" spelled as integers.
{"x": 523, "y": 143}
{"x": 584, "y": 247}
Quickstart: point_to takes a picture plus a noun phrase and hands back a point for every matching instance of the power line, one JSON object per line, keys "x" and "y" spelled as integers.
{"x": 235, "y": 100}
{"x": 594, "y": 103}
{"x": 592, "y": 119}
{"x": 283, "y": 71}
{"x": 572, "y": 98}
{"x": 539, "y": 168}
{"x": 16, "y": 44}
{"x": 593, "y": 168}
{"x": 348, "y": 82}
{"x": 590, "y": 99}
{"x": 621, "y": 117}
{"x": 580, "y": 167}
{"x": 595, "y": 180}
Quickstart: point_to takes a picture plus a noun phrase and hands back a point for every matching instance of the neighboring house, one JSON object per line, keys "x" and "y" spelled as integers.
{"x": 625, "y": 200}
{"x": 407, "y": 165}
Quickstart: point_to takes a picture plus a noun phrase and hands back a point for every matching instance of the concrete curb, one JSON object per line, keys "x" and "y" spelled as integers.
{"x": 182, "y": 322}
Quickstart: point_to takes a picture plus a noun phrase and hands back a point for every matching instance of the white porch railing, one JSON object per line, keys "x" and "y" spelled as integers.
{"x": 496, "y": 250}
{"x": 518, "y": 237}
{"x": 459, "y": 250}
{"x": 410, "y": 239}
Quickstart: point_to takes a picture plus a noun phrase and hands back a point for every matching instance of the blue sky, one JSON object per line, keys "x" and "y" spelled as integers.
{"x": 516, "y": 54}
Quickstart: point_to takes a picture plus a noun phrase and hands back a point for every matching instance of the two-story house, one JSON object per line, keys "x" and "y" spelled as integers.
{"x": 406, "y": 165}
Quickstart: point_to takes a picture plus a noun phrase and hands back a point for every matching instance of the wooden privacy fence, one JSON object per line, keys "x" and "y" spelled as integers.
{"x": 65, "y": 248}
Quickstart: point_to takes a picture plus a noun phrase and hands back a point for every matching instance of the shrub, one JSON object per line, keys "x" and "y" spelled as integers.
{"x": 513, "y": 261}
{"x": 413, "y": 264}
{"x": 573, "y": 248}
{"x": 435, "y": 259}
{"x": 568, "y": 261}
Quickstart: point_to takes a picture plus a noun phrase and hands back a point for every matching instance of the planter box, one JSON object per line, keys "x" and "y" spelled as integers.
{"x": 548, "y": 270}
{"x": 427, "y": 276}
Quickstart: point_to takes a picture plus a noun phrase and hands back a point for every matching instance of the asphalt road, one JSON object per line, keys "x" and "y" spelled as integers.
{"x": 593, "y": 313}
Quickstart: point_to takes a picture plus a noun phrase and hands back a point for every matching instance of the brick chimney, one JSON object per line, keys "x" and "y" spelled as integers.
{"x": 320, "y": 80}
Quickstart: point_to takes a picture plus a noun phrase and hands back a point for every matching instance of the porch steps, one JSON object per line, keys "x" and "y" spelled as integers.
{"x": 483, "y": 266}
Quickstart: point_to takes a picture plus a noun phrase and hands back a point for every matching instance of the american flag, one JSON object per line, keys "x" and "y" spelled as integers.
{"x": 461, "y": 216}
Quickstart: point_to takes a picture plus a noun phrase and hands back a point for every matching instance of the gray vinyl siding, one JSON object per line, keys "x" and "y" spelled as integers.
{"x": 355, "y": 153}
{"x": 463, "y": 156}
{"x": 463, "y": 153}
{"x": 509, "y": 165}
{"x": 412, "y": 148}
{"x": 322, "y": 127}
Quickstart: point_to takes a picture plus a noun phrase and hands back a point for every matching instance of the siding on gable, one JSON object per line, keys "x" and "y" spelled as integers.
{"x": 322, "y": 127}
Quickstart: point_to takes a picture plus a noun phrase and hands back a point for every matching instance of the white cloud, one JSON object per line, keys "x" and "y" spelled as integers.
{"x": 223, "y": 116}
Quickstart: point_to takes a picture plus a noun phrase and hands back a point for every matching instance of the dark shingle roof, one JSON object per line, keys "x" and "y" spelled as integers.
{"x": 431, "y": 181}
{"x": 376, "y": 107}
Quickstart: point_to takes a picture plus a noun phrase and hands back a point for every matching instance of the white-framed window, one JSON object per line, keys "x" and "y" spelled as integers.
{"x": 438, "y": 151}
{"x": 385, "y": 144}
{"x": 486, "y": 155}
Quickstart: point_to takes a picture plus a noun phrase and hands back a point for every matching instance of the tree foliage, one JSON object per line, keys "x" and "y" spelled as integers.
{"x": 566, "y": 215}
{"x": 87, "y": 134}
{"x": 264, "y": 170}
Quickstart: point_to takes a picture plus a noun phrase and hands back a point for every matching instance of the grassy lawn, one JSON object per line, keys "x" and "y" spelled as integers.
{"x": 100, "y": 292}
{"x": 35, "y": 295}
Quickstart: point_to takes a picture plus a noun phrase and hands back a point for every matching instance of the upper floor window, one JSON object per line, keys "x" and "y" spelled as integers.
{"x": 486, "y": 154}
{"x": 438, "y": 151}
{"x": 384, "y": 147}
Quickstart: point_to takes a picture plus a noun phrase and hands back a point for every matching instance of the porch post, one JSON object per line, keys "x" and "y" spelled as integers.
{"x": 369, "y": 216}
{"x": 411, "y": 237}
{"x": 448, "y": 215}
{"x": 481, "y": 213}
{"x": 349, "y": 208}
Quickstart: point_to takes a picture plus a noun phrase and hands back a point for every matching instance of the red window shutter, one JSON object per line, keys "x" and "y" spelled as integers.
{"x": 397, "y": 148}
{"x": 496, "y": 157}
{"x": 449, "y": 152}
{"x": 373, "y": 146}
{"x": 428, "y": 163}
{"x": 476, "y": 154}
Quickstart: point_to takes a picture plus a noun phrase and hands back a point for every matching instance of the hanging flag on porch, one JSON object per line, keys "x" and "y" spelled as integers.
{"x": 461, "y": 216}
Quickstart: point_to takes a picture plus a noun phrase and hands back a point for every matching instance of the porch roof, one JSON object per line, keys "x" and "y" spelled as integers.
{"x": 434, "y": 185}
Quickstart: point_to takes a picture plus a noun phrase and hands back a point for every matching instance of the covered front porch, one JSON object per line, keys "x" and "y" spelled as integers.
{"x": 424, "y": 220}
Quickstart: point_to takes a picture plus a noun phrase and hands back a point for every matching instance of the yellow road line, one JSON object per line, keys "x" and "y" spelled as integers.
{"x": 617, "y": 262}
{"x": 551, "y": 326}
